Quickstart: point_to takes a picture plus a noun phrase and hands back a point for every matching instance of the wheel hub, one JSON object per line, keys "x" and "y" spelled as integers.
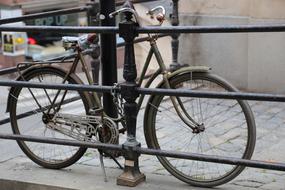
{"x": 47, "y": 118}
{"x": 200, "y": 128}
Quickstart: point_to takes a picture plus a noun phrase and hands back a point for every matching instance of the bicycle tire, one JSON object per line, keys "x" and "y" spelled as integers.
{"x": 166, "y": 137}
{"x": 22, "y": 100}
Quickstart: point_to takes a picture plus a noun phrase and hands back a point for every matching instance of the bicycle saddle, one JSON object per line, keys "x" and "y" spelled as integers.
{"x": 83, "y": 41}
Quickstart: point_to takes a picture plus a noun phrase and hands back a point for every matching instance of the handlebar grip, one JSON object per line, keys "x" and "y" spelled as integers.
{"x": 160, "y": 17}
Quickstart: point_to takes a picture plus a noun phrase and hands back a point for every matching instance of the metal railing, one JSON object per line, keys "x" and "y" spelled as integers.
{"x": 129, "y": 91}
{"x": 147, "y": 91}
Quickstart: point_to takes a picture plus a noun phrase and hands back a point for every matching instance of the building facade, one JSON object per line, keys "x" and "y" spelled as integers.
{"x": 254, "y": 61}
{"x": 37, "y": 6}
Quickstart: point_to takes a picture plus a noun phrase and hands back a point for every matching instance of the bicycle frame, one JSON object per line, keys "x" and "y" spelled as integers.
{"x": 153, "y": 51}
{"x": 161, "y": 70}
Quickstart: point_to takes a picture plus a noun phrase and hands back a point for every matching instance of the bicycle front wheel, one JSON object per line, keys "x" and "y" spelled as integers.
{"x": 31, "y": 114}
{"x": 229, "y": 130}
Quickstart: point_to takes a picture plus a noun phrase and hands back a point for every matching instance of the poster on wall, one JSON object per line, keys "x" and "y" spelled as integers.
{"x": 7, "y": 43}
{"x": 14, "y": 43}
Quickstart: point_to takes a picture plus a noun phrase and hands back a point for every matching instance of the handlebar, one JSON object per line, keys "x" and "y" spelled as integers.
{"x": 159, "y": 16}
{"x": 125, "y": 9}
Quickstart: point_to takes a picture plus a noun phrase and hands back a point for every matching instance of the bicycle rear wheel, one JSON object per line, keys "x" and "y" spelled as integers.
{"x": 229, "y": 130}
{"x": 29, "y": 116}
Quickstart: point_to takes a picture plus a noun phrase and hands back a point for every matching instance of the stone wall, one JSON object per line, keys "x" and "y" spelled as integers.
{"x": 253, "y": 62}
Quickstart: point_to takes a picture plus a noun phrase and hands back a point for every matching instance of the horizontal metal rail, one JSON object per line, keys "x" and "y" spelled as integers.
{"x": 45, "y": 14}
{"x": 213, "y": 159}
{"x": 60, "y": 141}
{"x": 154, "y": 91}
{"x": 62, "y": 29}
{"x": 121, "y": 2}
{"x": 152, "y": 29}
{"x": 77, "y": 87}
{"x": 215, "y": 95}
{"x": 156, "y": 152}
{"x": 214, "y": 29}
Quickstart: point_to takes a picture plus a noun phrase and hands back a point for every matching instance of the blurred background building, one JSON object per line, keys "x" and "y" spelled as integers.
{"x": 39, "y": 45}
{"x": 251, "y": 62}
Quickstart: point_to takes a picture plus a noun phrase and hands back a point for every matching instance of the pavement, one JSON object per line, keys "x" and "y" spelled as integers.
{"x": 18, "y": 172}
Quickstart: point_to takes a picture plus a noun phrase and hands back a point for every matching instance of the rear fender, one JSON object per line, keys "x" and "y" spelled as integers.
{"x": 184, "y": 70}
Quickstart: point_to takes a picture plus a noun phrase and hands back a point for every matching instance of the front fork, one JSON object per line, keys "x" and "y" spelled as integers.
{"x": 176, "y": 101}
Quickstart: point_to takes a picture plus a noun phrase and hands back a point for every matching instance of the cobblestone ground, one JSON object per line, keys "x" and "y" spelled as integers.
{"x": 270, "y": 124}
{"x": 270, "y": 146}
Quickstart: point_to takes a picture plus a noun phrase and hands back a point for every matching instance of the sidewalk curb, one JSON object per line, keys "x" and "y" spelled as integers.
{"x": 21, "y": 174}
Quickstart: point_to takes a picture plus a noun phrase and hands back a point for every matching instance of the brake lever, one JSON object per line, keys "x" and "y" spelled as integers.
{"x": 160, "y": 17}
{"x": 125, "y": 9}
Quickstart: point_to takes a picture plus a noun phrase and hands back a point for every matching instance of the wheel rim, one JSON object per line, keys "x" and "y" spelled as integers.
{"x": 47, "y": 155}
{"x": 230, "y": 137}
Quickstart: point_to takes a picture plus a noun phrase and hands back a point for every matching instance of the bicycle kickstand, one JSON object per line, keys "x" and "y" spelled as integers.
{"x": 103, "y": 166}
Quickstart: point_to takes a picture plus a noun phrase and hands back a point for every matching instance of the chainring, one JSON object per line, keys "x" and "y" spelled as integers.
{"x": 85, "y": 128}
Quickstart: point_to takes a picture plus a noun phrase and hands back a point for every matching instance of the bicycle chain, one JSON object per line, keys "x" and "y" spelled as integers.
{"x": 118, "y": 100}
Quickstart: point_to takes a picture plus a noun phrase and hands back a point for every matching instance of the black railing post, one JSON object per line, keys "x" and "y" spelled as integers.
{"x": 131, "y": 175}
{"x": 108, "y": 56}
{"x": 93, "y": 20}
{"x": 95, "y": 62}
{"x": 175, "y": 37}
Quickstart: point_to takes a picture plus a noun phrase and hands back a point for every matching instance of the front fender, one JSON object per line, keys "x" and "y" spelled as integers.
{"x": 183, "y": 70}
{"x": 190, "y": 69}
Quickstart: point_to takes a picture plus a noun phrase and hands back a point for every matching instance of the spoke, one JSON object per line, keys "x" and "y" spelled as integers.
{"x": 48, "y": 97}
